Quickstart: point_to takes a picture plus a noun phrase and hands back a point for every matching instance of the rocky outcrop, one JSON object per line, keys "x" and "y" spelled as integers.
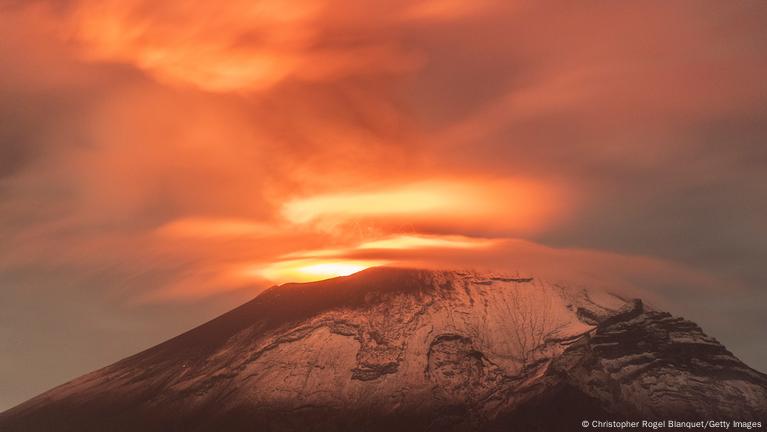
{"x": 412, "y": 350}
{"x": 643, "y": 365}
{"x": 665, "y": 367}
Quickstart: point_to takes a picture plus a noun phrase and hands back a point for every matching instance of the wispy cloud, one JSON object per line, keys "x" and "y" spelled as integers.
{"x": 159, "y": 154}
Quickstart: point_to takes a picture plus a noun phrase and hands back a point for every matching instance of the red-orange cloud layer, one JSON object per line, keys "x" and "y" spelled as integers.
{"x": 175, "y": 154}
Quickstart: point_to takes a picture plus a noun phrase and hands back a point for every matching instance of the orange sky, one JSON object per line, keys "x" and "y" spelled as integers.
{"x": 182, "y": 156}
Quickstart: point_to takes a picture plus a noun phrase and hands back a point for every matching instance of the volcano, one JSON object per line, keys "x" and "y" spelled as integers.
{"x": 404, "y": 349}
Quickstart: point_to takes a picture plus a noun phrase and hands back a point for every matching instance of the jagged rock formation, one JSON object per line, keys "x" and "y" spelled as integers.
{"x": 412, "y": 350}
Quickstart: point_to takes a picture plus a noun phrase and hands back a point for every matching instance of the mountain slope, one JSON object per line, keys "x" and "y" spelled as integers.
{"x": 415, "y": 350}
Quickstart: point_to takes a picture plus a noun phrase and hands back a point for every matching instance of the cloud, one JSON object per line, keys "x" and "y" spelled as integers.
{"x": 612, "y": 138}
{"x": 233, "y": 46}
{"x": 162, "y": 155}
{"x": 451, "y": 205}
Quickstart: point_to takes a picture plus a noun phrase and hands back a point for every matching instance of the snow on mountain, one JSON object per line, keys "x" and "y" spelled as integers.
{"x": 413, "y": 350}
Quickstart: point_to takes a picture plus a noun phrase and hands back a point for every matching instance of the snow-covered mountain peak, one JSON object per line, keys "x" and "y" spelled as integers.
{"x": 416, "y": 350}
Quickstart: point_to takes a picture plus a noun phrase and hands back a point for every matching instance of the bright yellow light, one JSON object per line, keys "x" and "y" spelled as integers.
{"x": 411, "y": 199}
{"x": 400, "y": 242}
{"x": 332, "y": 269}
{"x": 425, "y": 242}
{"x": 489, "y": 204}
{"x": 308, "y": 270}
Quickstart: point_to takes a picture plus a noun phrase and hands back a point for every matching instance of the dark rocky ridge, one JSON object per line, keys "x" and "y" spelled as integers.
{"x": 412, "y": 350}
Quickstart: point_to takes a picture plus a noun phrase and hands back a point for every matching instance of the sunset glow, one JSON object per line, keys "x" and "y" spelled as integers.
{"x": 311, "y": 270}
{"x": 420, "y": 242}
{"x": 164, "y": 161}
{"x": 524, "y": 205}
{"x": 399, "y": 201}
